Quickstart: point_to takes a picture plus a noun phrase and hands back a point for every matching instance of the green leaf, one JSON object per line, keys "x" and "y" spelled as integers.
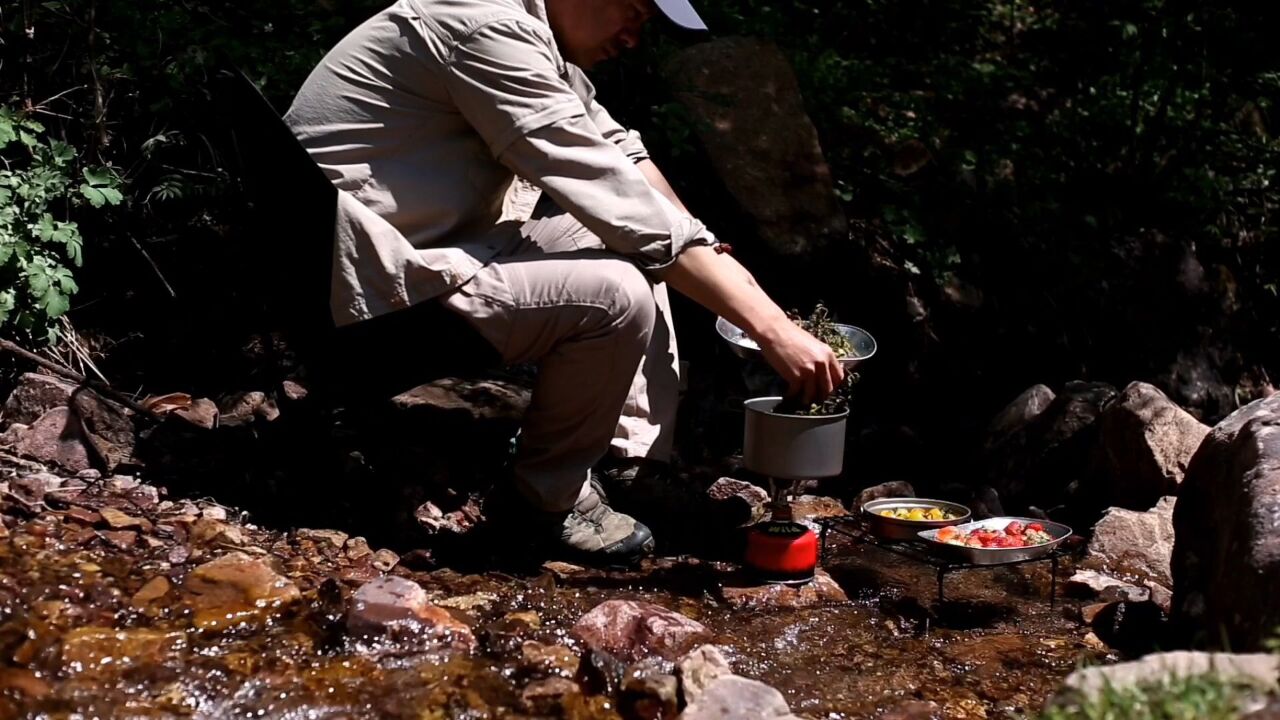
{"x": 98, "y": 177}
{"x": 7, "y": 131}
{"x": 96, "y": 197}
{"x": 54, "y": 302}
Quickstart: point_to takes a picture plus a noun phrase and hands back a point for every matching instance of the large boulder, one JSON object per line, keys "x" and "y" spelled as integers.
{"x": 108, "y": 427}
{"x": 1144, "y": 445}
{"x": 57, "y": 437}
{"x": 1015, "y": 416}
{"x": 749, "y": 114}
{"x": 1226, "y": 557}
{"x": 1043, "y": 462}
{"x": 1134, "y": 546}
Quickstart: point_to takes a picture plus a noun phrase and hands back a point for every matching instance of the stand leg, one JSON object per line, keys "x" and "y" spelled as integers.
{"x": 942, "y": 574}
{"x": 822, "y": 543}
{"x": 1053, "y": 581}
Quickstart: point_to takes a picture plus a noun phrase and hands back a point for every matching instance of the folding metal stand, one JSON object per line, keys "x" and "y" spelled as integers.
{"x": 855, "y": 529}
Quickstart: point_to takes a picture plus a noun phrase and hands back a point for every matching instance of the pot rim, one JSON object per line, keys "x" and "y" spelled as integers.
{"x": 747, "y": 405}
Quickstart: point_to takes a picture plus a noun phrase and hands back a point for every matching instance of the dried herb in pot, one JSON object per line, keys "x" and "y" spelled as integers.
{"x": 836, "y": 403}
{"x": 820, "y": 325}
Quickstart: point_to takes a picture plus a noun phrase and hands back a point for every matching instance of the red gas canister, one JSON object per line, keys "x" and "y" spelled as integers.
{"x": 781, "y": 551}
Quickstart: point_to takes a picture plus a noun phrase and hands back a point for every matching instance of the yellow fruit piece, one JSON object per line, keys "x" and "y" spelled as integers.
{"x": 886, "y": 513}
{"x": 915, "y": 514}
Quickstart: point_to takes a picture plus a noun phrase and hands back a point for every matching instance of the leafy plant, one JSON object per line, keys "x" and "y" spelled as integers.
{"x": 39, "y": 243}
{"x": 1180, "y": 698}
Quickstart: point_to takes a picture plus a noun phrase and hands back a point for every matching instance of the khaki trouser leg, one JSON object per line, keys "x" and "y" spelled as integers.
{"x": 586, "y": 318}
{"x": 646, "y": 426}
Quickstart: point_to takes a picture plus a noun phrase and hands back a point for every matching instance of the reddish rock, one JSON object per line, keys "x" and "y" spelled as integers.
{"x": 540, "y": 659}
{"x": 56, "y": 437}
{"x": 822, "y": 590}
{"x": 699, "y": 669}
{"x": 739, "y": 503}
{"x": 897, "y": 488}
{"x": 202, "y": 413}
{"x": 108, "y": 427}
{"x": 236, "y": 589}
{"x": 545, "y": 697}
{"x": 1145, "y": 442}
{"x": 807, "y": 508}
{"x": 154, "y": 589}
{"x": 102, "y": 650}
{"x": 630, "y": 630}
{"x": 738, "y": 698}
{"x": 398, "y": 607}
{"x": 34, "y": 396}
{"x": 1134, "y": 546}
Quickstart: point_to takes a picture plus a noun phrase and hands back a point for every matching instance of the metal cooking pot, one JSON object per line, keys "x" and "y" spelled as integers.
{"x": 792, "y": 447}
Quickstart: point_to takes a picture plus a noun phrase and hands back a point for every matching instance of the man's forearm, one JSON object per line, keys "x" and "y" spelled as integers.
{"x": 718, "y": 283}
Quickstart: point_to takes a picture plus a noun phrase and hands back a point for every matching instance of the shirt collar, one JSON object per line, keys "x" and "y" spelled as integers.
{"x": 538, "y": 9}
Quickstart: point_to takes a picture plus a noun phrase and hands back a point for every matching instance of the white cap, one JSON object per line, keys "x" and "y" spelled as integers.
{"x": 681, "y": 13}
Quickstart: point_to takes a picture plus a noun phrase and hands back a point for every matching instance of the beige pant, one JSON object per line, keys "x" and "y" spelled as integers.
{"x": 602, "y": 336}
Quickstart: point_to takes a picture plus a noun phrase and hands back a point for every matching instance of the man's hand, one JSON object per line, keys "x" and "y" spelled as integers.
{"x": 808, "y": 365}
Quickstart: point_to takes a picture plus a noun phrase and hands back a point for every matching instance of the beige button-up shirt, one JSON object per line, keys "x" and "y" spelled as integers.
{"x": 423, "y": 116}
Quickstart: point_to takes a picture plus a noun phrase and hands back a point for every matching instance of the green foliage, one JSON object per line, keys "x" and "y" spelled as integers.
{"x": 1187, "y": 698}
{"x": 37, "y": 240}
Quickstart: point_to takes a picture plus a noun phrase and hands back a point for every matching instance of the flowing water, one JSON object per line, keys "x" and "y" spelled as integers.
{"x": 87, "y": 630}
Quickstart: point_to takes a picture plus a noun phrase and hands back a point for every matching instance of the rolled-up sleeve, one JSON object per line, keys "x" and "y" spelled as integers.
{"x": 628, "y": 141}
{"x": 505, "y": 81}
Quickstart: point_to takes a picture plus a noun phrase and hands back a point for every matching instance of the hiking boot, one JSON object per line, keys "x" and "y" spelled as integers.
{"x": 591, "y": 532}
{"x": 597, "y": 530}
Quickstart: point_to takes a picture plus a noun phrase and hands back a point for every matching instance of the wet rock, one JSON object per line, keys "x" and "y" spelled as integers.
{"x": 154, "y": 589}
{"x": 649, "y": 695}
{"x": 630, "y": 630}
{"x": 821, "y": 591}
{"x": 750, "y": 116}
{"x": 1226, "y": 558}
{"x": 1043, "y": 462}
{"x": 699, "y": 669}
{"x": 1258, "y": 671}
{"x": 24, "y": 682}
{"x": 108, "y": 427}
{"x": 120, "y": 539}
{"x": 545, "y": 697}
{"x": 897, "y": 488}
{"x": 357, "y": 548}
{"x": 398, "y": 608}
{"x": 430, "y": 517}
{"x": 737, "y": 698}
{"x": 555, "y": 660}
{"x": 1145, "y": 443}
{"x": 384, "y": 560}
{"x": 215, "y": 532}
{"x": 1091, "y": 583}
{"x": 93, "y": 650}
{"x": 34, "y": 396}
{"x": 119, "y": 520}
{"x": 470, "y": 603}
{"x": 58, "y": 438}
{"x": 914, "y": 710}
{"x": 508, "y": 633}
{"x": 1135, "y": 546}
{"x": 243, "y": 407}
{"x": 738, "y": 502}
{"x": 1017, "y": 414}
{"x": 82, "y": 515}
{"x": 1133, "y": 628}
{"x": 235, "y": 590}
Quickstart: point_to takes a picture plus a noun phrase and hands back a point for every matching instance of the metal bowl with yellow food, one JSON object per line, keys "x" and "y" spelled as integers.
{"x": 903, "y": 518}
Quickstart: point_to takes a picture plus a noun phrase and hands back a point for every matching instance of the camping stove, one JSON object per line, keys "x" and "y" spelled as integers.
{"x": 780, "y": 550}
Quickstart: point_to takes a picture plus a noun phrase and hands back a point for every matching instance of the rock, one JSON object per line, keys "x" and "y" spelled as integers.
{"x": 544, "y": 697}
{"x": 737, "y": 698}
{"x": 92, "y": 650}
{"x": 1017, "y": 414}
{"x": 240, "y": 408}
{"x": 649, "y": 695}
{"x": 56, "y": 437}
{"x": 108, "y": 427}
{"x": 1091, "y": 583}
{"x": 630, "y": 630}
{"x": 1133, "y": 628}
{"x": 34, "y": 396}
{"x": 556, "y": 660}
{"x": 385, "y": 559}
{"x": 822, "y": 590}
{"x": 293, "y": 391}
{"x": 1089, "y": 612}
{"x": 750, "y": 116}
{"x": 1258, "y": 671}
{"x": 699, "y": 669}
{"x": 33, "y": 487}
{"x": 897, "y": 488}
{"x": 202, "y": 413}
{"x": 120, "y": 539}
{"x": 1195, "y": 382}
{"x": 808, "y": 508}
{"x": 118, "y": 519}
{"x": 986, "y": 503}
{"x": 356, "y": 548}
{"x": 1134, "y": 546}
{"x": 430, "y": 517}
{"x": 236, "y": 590}
{"x": 1226, "y": 557}
{"x": 473, "y": 400}
{"x": 1044, "y": 461}
{"x": 154, "y": 589}
{"x": 739, "y": 503}
{"x": 334, "y": 538}
{"x": 914, "y": 710}
{"x": 509, "y": 633}
{"x": 1145, "y": 443}
{"x": 469, "y": 603}
{"x": 398, "y": 608}
{"x": 12, "y": 435}
{"x": 24, "y": 682}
